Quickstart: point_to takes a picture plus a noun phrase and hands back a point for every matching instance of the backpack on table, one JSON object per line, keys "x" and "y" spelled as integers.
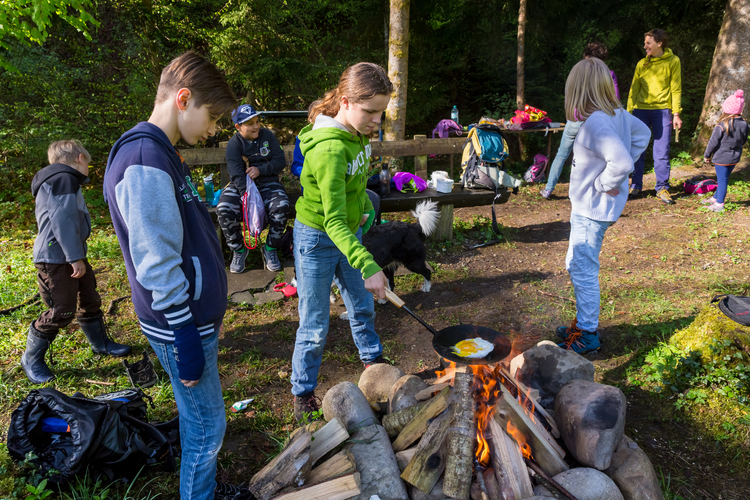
{"x": 481, "y": 162}
{"x": 109, "y": 434}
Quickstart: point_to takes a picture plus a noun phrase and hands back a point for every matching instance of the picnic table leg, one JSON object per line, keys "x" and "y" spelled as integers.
{"x": 444, "y": 229}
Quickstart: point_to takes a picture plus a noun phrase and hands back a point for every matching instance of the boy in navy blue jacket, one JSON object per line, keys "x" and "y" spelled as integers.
{"x": 173, "y": 257}
{"x": 67, "y": 283}
{"x": 256, "y": 152}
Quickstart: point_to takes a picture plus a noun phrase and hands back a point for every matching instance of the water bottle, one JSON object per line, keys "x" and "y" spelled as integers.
{"x": 454, "y": 114}
{"x": 208, "y": 183}
{"x": 385, "y": 181}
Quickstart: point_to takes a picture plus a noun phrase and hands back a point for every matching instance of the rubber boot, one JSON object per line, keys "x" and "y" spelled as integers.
{"x": 96, "y": 332}
{"x": 32, "y": 360}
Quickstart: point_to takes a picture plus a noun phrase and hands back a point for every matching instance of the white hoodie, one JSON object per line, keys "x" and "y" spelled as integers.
{"x": 603, "y": 155}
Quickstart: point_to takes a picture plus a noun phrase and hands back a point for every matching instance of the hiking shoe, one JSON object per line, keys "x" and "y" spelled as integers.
{"x": 271, "y": 259}
{"x": 716, "y": 207}
{"x": 545, "y": 193}
{"x": 708, "y": 201}
{"x": 634, "y": 193}
{"x": 379, "y": 360}
{"x": 579, "y": 341}
{"x": 306, "y": 408}
{"x": 226, "y": 491}
{"x": 238, "y": 261}
{"x": 664, "y": 196}
{"x": 565, "y": 331}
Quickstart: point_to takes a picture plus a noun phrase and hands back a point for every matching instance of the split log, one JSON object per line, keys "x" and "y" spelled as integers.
{"x": 428, "y": 393}
{"x": 507, "y": 460}
{"x": 421, "y": 420}
{"x": 448, "y": 377}
{"x": 376, "y": 464}
{"x": 327, "y": 438}
{"x": 461, "y": 439}
{"x": 522, "y": 390}
{"x": 291, "y": 466}
{"x": 338, "y": 465}
{"x": 428, "y": 462}
{"x": 396, "y": 421}
{"x": 548, "y": 456}
{"x": 404, "y": 457}
{"x": 339, "y": 488}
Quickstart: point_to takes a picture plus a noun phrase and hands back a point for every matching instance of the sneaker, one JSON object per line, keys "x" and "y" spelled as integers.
{"x": 545, "y": 193}
{"x": 271, "y": 259}
{"x": 716, "y": 207}
{"x": 664, "y": 196}
{"x": 238, "y": 261}
{"x": 565, "y": 331}
{"x": 226, "y": 491}
{"x": 634, "y": 193}
{"x": 306, "y": 408}
{"x": 580, "y": 341}
{"x": 708, "y": 201}
{"x": 379, "y": 360}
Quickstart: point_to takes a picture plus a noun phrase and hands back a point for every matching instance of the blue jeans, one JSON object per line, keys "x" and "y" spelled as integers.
{"x": 202, "y": 420}
{"x": 722, "y": 179}
{"x": 582, "y": 263}
{"x": 563, "y": 152}
{"x": 660, "y": 123}
{"x": 317, "y": 261}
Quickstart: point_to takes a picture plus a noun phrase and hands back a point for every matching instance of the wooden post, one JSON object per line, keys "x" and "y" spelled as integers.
{"x": 461, "y": 439}
{"x": 420, "y": 162}
{"x": 444, "y": 229}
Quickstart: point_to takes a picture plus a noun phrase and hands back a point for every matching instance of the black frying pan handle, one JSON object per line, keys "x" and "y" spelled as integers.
{"x": 396, "y": 301}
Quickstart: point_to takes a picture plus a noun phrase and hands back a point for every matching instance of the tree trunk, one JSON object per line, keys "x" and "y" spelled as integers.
{"x": 728, "y": 69}
{"x": 519, "y": 61}
{"x": 398, "y": 66}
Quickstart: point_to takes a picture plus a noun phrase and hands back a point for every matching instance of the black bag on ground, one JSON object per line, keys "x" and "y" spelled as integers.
{"x": 108, "y": 434}
{"x": 734, "y": 307}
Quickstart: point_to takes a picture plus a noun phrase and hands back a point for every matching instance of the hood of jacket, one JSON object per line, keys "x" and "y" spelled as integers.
{"x": 325, "y": 128}
{"x": 50, "y": 171}
{"x": 664, "y": 57}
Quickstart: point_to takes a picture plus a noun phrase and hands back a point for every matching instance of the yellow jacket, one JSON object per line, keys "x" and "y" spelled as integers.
{"x": 657, "y": 84}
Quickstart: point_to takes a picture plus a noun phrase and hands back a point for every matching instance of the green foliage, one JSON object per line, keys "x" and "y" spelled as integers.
{"x": 682, "y": 158}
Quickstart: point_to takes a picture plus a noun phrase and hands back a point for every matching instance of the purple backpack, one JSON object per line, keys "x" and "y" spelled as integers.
{"x": 538, "y": 171}
{"x": 700, "y": 187}
{"x": 445, "y": 127}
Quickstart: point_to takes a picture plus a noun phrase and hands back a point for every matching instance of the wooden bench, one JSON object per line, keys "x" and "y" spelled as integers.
{"x": 419, "y": 147}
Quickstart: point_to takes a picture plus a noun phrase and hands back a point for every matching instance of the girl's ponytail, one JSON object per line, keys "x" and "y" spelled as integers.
{"x": 328, "y": 106}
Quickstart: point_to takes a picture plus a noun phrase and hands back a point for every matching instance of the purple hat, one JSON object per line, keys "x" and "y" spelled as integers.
{"x": 243, "y": 114}
{"x": 734, "y": 104}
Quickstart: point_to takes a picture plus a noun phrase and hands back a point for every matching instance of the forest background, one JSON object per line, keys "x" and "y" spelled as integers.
{"x": 287, "y": 53}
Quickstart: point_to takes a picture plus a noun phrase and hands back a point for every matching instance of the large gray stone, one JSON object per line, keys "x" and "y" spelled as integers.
{"x": 585, "y": 484}
{"x": 632, "y": 472}
{"x": 266, "y": 297}
{"x": 376, "y": 381}
{"x": 591, "y": 419}
{"x": 345, "y": 400}
{"x": 402, "y": 392}
{"x": 376, "y": 463}
{"x": 547, "y": 367}
{"x": 242, "y": 298}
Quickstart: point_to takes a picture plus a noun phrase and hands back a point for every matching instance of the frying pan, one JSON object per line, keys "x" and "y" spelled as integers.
{"x": 445, "y": 339}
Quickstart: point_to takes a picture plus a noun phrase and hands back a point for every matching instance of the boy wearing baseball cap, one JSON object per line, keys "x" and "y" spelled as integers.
{"x": 256, "y": 152}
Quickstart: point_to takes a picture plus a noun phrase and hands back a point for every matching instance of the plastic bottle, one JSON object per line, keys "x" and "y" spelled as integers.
{"x": 208, "y": 183}
{"x": 385, "y": 181}
{"x": 454, "y": 114}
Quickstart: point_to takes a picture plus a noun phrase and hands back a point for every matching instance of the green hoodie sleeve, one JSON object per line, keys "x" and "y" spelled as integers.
{"x": 635, "y": 88}
{"x": 331, "y": 181}
{"x": 675, "y": 84}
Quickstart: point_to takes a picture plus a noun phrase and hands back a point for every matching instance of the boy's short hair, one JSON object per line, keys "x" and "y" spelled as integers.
{"x": 67, "y": 152}
{"x": 206, "y": 83}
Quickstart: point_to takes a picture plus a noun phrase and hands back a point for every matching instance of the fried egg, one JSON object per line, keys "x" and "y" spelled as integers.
{"x": 473, "y": 348}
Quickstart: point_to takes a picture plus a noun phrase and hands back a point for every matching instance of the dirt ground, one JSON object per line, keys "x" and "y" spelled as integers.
{"x": 659, "y": 266}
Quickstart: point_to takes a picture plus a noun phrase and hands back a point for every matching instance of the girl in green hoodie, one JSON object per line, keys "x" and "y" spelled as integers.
{"x": 332, "y": 214}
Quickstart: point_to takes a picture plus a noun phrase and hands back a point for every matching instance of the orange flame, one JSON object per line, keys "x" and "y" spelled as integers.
{"x": 450, "y": 370}
{"x": 519, "y": 438}
{"x": 485, "y": 396}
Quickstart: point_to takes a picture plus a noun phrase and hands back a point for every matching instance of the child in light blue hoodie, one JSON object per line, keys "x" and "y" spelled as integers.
{"x": 609, "y": 141}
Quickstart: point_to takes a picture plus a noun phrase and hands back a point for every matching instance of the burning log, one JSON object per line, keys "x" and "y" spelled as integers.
{"x": 428, "y": 463}
{"x": 338, "y": 465}
{"x": 426, "y": 394}
{"x": 340, "y": 488}
{"x": 418, "y": 425}
{"x": 327, "y": 438}
{"x": 461, "y": 439}
{"x": 510, "y": 470}
{"x": 523, "y": 393}
{"x": 510, "y": 415}
{"x": 291, "y": 466}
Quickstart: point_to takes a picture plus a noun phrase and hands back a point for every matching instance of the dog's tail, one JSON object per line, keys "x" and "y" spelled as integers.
{"x": 427, "y": 214}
